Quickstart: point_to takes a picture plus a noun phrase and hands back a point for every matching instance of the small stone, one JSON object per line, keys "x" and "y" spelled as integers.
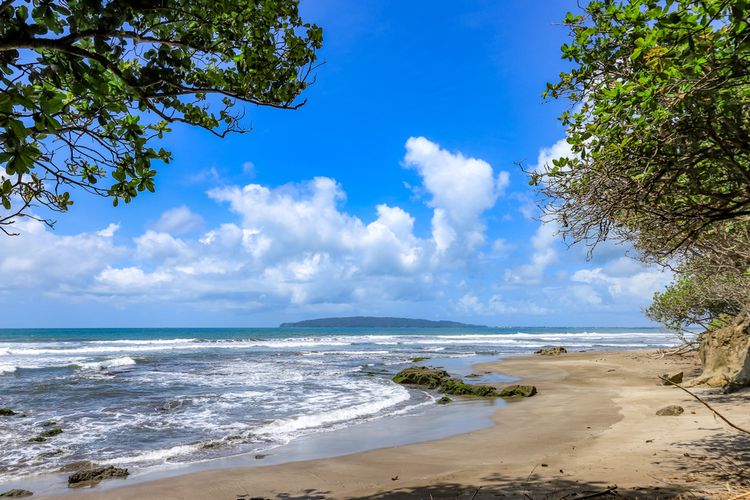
{"x": 674, "y": 378}
{"x": 670, "y": 411}
{"x": 16, "y": 493}
{"x": 7, "y": 412}
{"x": 516, "y": 390}
{"x": 444, "y": 400}
{"x": 552, "y": 351}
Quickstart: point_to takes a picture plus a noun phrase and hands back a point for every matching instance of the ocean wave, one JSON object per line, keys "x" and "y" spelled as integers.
{"x": 107, "y": 363}
{"x": 4, "y": 369}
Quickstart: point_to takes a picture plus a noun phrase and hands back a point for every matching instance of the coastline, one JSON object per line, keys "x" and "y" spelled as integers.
{"x": 591, "y": 426}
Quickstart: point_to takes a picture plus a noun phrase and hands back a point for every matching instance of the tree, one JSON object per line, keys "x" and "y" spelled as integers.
{"x": 87, "y": 86}
{"x": 660, "y": 134}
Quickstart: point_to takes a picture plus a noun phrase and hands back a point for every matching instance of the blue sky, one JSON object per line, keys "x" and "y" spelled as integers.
{"x": 393, "y": 191}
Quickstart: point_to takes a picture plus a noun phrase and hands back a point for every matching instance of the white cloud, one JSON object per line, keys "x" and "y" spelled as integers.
{"x": 461, "y": 189}
{"x": 178, "y": 220}
{"x": 543, "y": 255}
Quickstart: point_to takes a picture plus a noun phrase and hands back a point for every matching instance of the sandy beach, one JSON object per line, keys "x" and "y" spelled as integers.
{"x": 592, "y": 430}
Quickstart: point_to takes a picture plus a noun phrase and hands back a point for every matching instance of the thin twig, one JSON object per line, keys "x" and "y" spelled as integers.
{"x": 475, "y": 493}
{"x": 669, "y": 382}
{"x": 608, "y": 491}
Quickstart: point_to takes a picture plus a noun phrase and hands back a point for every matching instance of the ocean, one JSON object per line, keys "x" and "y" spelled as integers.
{"x": 149, "y": 398}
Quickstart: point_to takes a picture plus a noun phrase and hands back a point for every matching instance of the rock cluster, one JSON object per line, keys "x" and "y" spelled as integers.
{"x": 435, "y": 378}
{"x": 16, "y": 493}
{"x": 93, "y": 476}
{"x": 552, "y": 351}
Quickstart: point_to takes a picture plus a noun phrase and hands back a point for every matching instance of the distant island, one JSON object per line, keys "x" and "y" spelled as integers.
{"x": 376, "y": 322}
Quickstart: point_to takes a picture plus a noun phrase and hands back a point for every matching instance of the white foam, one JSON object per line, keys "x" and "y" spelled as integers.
{"x": 7, "y": 369}
{"x": 108, "y": 363}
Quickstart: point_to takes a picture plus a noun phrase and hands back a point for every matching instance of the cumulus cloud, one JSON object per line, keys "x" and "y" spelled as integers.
{"x": 543, "y": 254}
{"x": 178, "y": 220}
{"x": 461, "y": 189}
{"x": 560, "y": 149}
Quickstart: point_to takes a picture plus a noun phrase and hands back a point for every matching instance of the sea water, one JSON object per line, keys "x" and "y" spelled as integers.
{"x": 146, "y": 398}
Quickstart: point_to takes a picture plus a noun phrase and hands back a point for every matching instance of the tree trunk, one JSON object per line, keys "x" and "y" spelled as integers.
{"x": 725, "y": 353}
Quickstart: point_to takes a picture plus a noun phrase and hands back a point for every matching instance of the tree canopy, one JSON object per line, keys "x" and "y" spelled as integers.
{"x": 88, "y": 86}
{"x": 659, "y": 128}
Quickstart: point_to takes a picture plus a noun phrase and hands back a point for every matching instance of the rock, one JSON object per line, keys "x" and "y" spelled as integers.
{"x": 51, "y": 423}
{"x": 417, "y": 359}
{"x": 552, "y": 351}
{"x": 7, "y": 412}
{"x": 16, "y": 493}
{"x": 51, "y": 433}
{"x": 675, "y": 378}
{"x": 444, "y": 400}
{"x": 670, "y": 411}
{"x": 516, "y": 390}
{"x": 37, "y": 439}
{"x": 77, "y": 466}
{"x": 93, "y": 476}
{"x": 456, "y": 387}
{"x": 422, "y": 376}
{"x": 473, "y": 375}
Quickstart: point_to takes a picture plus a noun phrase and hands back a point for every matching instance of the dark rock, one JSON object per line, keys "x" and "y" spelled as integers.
{"x": 16, "y": 493}
{"x": 51, "y": 423}
{"x": 417, "y": 359}
{"x": 51, "y": 433}
{"x": 456, "y": 387}
{"x": 444, "y": 400}
{"x": 473, "y": 375}
{"x": 93, "y": 476}
{"x": 552, "y": 351}
{"x": 6, "y": 412}
{"x": 671, "y": 411}
{"x": 674, "y": 378}
{"x": 422, "y": 376}
{"x": 516, "y": 390}
{"x": 37, "y": 439}
{"x": 77, "y": 466}
{"x": 260, "y": 456}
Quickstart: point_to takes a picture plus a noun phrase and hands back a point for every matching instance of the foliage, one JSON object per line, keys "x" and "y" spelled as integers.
{"x": 87, "y": 85}
{"x": 660, "y": 129}
{"x": 660, "y": 135}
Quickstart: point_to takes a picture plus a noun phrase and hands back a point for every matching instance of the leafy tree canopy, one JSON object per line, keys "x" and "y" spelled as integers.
{"x": 86, "y": 86}
{"x": 659, "y": 128}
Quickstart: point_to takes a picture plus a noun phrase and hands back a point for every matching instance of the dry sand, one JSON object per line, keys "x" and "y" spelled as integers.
{"x": 591, "y": 428}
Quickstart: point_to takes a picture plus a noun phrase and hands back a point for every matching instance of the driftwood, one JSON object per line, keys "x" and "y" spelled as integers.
{"x": 716, "y": 413}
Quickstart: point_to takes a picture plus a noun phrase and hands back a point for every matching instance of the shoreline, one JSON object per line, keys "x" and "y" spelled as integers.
{"x": 591, "y": 426}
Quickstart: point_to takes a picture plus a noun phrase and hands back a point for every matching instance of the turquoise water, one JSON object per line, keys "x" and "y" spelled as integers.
{"x": 145, "y": 398}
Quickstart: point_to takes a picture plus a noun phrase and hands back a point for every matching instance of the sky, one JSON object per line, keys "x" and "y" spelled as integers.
{"x": 395, "y": 191}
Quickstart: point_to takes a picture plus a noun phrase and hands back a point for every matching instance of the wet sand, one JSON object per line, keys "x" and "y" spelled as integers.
{"x": 592, "y": 428}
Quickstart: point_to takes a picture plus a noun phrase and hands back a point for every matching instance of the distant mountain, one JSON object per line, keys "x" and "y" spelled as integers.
{"x": 375, "y": 322}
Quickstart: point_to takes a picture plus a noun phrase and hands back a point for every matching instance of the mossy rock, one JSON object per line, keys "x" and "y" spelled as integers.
{"x": 456, "y": 387}
{"x": 51, "y": 433}
{"x": 444, "y": 400}
{"x": 671, "y": 411}
{"x": 517, "y": 391}
{"x": 417, "y": 359}
{"x": 552, "y": 351}
{"x": 37, "y": 439}
{"x": 93, "y": 476}
{"x": 7, "y": 412}
{"x": 16, "y": 493}
{"x": 430, "y": 378}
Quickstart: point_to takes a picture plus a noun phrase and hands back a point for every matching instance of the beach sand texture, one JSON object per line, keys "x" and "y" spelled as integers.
{"x": 592, "y": 428}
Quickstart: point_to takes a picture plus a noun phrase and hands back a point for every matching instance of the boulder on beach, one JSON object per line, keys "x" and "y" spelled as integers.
{"x": 444, "y": 400}
{"x": 16, "y": 493}
{"x": 93, "y": 476}
{"x": 552, "y": 351}
{"x": 51, "y": 433}
{"x": 456, "y": 387}
{"x": 671, "y": 411}
{"x": 422, "y": 376}
{"x": 6, "y": 412}
{"x": 517, "y": 390}
{"x": 674, "y": 378}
